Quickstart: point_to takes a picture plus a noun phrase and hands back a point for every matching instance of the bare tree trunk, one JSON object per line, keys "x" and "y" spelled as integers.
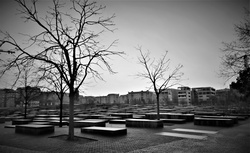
{"x": 61, "y": 108}
{"x": 25, "y": 109}
{"x": 25, "y": 98}
{"x": 71, "y": 115}
{"x": 61, "y": 96}
{"x": 158, "y": 106}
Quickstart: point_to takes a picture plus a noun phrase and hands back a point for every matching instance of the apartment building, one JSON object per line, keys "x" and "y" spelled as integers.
{"x": 89, "y": 100}
{"x": 7, "y": 98}
{"x": 184, "y": 96}
{"x": 202, "y": 94}
{"x": 29, "y": 94}
{"x": 101, "y": 99}
{"x": 109, "y": 99}
{"x": 169, "y": 97}
{"x": 123, "y": 99}
{"x": 51, "y": 99}
{"x": 141, "y": 97}
{"x": 113, "y": 98}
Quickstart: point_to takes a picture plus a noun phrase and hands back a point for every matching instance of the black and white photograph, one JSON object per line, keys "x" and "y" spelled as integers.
{"x": 125, "y": 76}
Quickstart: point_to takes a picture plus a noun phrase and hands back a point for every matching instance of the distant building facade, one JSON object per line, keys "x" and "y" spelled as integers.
{"x": 184, "y": 96}
{"x": 123, "y": 99}
{"x": 169, "y": 97}
{"x": 141, "y": 97}
{"x": 29, "y": 94}
{"x": 90, "y": 100}
{"x": 51, "y": 99}
{"x": 109, "y": 99}
{"x": 7, "y": 98}
{"x": 113, "y": 98}
{"x": 202, "y": 94}
{"x": 48, "y": 99}
{"x": 101, "y": 99}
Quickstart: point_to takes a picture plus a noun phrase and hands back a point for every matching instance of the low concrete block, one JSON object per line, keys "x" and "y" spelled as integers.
{"x": 110, "y": 131}
{"x": 117, "y": 121}
{"x": 144, "y": 123}
{"x": 123, "y": 115}
{"x": 21, "y": 121}
{"x": 75, "y": 118}
{"x": 57, "y": 122}
{"x": 175, "y": 121}
{"x": 97, "y": 116}
{"x": 110, "y": 117}
{"x": 34, "y": 129}
{"x": 136, "y": 116}
{"x": 40, "y": 120}
{"x": 2, "y": 119}
{"x": 90, "y": 122}
{"x": 42, "y": 116}
{"x": 234, "y": 118}
{"x": 241, "y": 116}
{"x": 82, "y": 116}
{"x": 214, "y": 122}
{"x": 187, "y": 117}
{"x": 40, "y": 123}
{"x": 10, "y": 126}
{"x": 203, "y": 113}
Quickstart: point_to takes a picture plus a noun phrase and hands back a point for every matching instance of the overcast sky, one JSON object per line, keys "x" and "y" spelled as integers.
{"x": 192, "y": 31}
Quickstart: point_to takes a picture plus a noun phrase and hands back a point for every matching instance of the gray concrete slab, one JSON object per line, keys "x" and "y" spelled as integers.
{"x": 181, "y": 135}
{"x": 195, "y": 131}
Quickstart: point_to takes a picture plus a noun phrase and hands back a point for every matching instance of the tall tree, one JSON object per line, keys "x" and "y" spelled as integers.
{"x": 30, "y": 90}
{"x": 72, "y": 32}
{"x": 159, "y": 74}
{"x": 242, "y": 83}
{"x": 54, "y": 83}
{"x": 237, "y": 53}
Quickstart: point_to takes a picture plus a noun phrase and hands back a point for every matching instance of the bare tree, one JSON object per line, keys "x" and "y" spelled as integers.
{"x": 159, "y": 74}
{"x": 30, "y": 91}
{"x": 237, "y": 53}
{"x": 53, "y": 82}
{"x": 72, "y": 33}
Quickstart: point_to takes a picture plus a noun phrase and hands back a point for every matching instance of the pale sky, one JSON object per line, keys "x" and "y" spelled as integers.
{"x": 192, "y": 31}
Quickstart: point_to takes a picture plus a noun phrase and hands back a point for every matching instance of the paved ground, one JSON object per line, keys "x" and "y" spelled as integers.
{"x": 234, "y": 139}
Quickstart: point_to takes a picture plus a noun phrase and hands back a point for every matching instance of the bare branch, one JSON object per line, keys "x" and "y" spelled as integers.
{"x": 156, "y": 71}
{"x": 237, "y": 52}
{"x": 65, "y": 43}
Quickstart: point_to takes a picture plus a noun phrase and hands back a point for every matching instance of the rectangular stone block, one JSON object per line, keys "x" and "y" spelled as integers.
{"x": 2, "y": 119}
{"x": 204, "y": 113}
{"x": 34, "y": 129}
{"x": 213, "y": 122}
{"x": 57, "y": 122}
{"x": 187, "y": 117}
{"x": 176, "y": 121}
{"x": 123, "y": 115}
{"x": 110, "y": 117}
{"x": 110, "y": 131}
{"x": 234, "y": 118}
{"x": 21, "y": 121}
{"x": 90, "y": 122}
{"x": 117, "y": 121}
{"x": 144, "y": 123}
